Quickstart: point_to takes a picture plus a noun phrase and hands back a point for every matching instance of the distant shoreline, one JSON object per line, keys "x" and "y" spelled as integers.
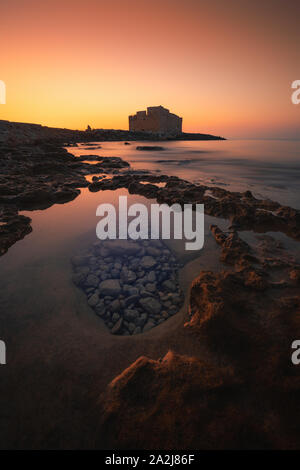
{"x": 27, "y": 132}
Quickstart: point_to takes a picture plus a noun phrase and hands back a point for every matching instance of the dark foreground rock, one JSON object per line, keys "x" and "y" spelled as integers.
{"x": 242, "y": 391}
{"x": 173, "y": 396}
{"x": 244, "y": 211}
{"x": 13, "y": 227}
{"x": 38, "y": 176}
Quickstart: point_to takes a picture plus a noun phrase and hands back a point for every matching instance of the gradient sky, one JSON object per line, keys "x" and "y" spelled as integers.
{"x": 225, "y": 66}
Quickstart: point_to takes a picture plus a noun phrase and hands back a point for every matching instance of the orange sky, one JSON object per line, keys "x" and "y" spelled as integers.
{"x": 226, "y": 66}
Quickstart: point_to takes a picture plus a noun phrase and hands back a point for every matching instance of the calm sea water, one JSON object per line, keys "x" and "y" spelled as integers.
{"x": 268, "y": 168}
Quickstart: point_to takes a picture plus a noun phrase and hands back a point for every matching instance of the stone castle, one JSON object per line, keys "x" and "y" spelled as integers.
{"x": 156, "y": 119}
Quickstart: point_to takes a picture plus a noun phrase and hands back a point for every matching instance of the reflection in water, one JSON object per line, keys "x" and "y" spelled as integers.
{"x": 60, "y": 355}
{"x": 40, "y": 263}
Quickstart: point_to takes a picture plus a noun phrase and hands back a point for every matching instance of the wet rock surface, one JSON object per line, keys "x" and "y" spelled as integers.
{"x": 38, "y": 176}
{"x": 13, "y": 227}
{"x": 173, "y": 396}
{"x": 236, "y": 387}
{"x": 242, "y": 392}
{"x": 132, "y": 286}
{"x": 244, "y": 211}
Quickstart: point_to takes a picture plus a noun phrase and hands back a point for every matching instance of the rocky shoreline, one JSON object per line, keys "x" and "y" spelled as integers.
{"x": 20, "y": 133}
{"x": 38, "y": 176}
{"x": 244, "y": 211}
{"x": 239, "y": 388}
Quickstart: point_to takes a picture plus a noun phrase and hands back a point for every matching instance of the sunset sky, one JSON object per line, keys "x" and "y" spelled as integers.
{"x": 225, "y": 66}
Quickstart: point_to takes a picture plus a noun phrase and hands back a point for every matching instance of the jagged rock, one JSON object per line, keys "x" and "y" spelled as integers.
{"x": 13, "y": 227}
{"x": 169, "y": 285}
{"x": 110, "y": 287}
{"x": 256, "y": 281}
{"x": 120, "y": 247}
{"x": 137, "y": 330}
{"x": 141, "y": 320}
{"x": 128, "y": 276}
{"x": 130, "y": 315}
{"x": 91, "y": 281}
{"x": 115, "y": 306}
{"x": 133, "y": 407}
{"x": 131, "y": 300}
{"x": 151, "y": 305}
{"x": 93, "y": 300}
{"x": 115, "y": 317}
{"x": 295, "y": 274}
{"x": 150, "y": 287}
{"x": 148, "y": 262}
{"x": 152, "y": 251}
{"x": 151, "y": 277}
{"x": 233, "y": 247}
{"x": 131, "y": 328}
{"x": 100, "y": 309}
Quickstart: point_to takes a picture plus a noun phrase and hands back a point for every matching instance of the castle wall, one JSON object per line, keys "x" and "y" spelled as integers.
{"x": 156, "y": 119}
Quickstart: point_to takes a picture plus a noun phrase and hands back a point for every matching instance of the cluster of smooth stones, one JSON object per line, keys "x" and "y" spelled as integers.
{"x": 132, "y": 286}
